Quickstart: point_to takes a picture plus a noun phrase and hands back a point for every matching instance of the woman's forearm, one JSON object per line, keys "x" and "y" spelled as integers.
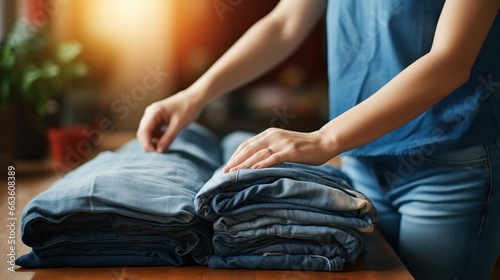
{"x": 462, "y": 28}
{"x": 262, "y": 47}
{"x": 413, "y": 91}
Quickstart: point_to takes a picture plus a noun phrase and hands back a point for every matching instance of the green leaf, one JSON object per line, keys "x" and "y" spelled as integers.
{"x": 68, "y": 51}
{"x": 76, "y": 70}
{"x": 32, "y": 69}
{"x": 33, "y": 73}
{"x": 7, "y": 58}
{"x": 50, "y": 70}
{"x": 30, "y": 75}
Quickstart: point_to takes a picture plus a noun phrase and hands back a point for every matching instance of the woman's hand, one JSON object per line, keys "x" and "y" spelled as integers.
{"x": 175, "y": 112}
{"x": 267, "y": 43}
{"x": 275, "y": 146}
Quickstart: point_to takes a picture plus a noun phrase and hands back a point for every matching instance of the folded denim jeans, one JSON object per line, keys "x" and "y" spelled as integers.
{"x": 291, "y": 239}
{"x": 263, "y": 217}
{"x": 132, "y": 208}
{"x": 125, "y": 208}
{"x": 289, "y": 186}
{"x": 289, "y": 216}
{"x": 278, "y": 261}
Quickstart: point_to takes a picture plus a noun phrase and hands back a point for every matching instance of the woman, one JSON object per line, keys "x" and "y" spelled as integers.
{"x": 414, "y": 113}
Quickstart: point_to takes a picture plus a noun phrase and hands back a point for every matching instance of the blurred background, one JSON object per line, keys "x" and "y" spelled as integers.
{"x": 100, "y": 63}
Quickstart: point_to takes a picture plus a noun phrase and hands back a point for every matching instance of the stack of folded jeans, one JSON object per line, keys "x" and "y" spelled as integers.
{"x": 132, "y": 208}
{"x": 290, "y": 216}
{"x": 126, "y": 208}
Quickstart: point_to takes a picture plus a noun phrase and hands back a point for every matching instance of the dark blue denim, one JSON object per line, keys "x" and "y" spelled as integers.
{"x": 290, "y": 216}
{"x": 125, "y": 208}
{"x": 278, "y": 261}
{"x": 291, "y": 239}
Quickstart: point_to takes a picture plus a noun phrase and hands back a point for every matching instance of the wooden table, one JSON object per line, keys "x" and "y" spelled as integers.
{"x": 32, "y": 178}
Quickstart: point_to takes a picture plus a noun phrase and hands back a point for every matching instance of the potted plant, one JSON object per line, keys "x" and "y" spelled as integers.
{"x": 33, "y": 72}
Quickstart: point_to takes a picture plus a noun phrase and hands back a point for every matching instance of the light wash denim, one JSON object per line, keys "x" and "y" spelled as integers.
{"x": 244, "y": 193}
{"x": 439, "y": 204}
{"x": 438, "y": 210}
{"x": 290, "y": 216}
{"x": 260, "y": 217}
{"x": 125, "y": 208}
{"x": 302, "y": 190}
{"x": 132, "y": 208}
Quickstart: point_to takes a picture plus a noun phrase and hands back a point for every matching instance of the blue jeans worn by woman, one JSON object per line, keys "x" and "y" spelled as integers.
{"x": 439, "y": 211}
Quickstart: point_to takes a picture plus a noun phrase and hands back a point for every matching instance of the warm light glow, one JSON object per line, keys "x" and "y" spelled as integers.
{"x": 128, "y": 36}
{"x": 124, "y": 18}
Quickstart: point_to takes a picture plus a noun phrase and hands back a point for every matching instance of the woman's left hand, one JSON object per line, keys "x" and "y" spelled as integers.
{"x": 275, "y": 146}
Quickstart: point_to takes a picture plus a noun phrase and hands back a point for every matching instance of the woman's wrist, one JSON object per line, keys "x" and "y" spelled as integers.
{"x": 329, "y": 142}
{"x": 205, "y": 89}
{"x": 196, "y": 96}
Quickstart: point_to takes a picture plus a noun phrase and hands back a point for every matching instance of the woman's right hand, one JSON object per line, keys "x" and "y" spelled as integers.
{"x": 267, "y": 43}
{"x": 163, "y": 120}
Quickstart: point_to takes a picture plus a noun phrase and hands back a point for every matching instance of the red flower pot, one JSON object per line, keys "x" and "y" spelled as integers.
{"x": 69, "y": 145}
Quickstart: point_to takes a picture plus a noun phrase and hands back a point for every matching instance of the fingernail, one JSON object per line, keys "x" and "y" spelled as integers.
{"x": 150, "y": 148}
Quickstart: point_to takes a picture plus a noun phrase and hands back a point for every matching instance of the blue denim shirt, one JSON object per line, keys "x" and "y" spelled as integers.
{"x": 371, "y": 41}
